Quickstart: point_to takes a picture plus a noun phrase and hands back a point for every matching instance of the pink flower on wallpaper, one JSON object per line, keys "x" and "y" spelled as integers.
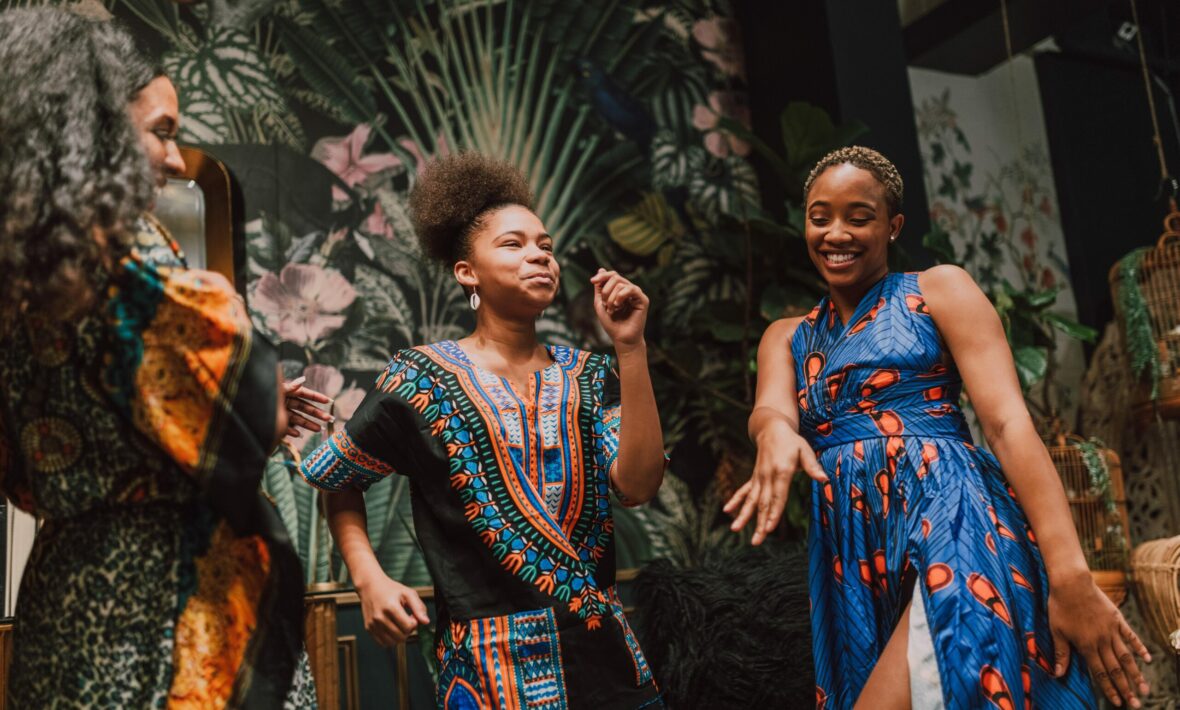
{"x": 304, "y": 303}
{"x": 1029, "y": 237}
{"x": 943, "y": 215}
{"x": 1001, "y": 222}
{"x": 329, "y": 381}
{"x": 721, "y": 44}
{"x": 1046, "y": 206}
{"x": 376, "y": 224}
{"x": 441, "y": 150}
{"x": 345, "y": 157}
{"x": 346, "y": 403}
{"x": 324, "y": 379}
{"x": 1048, "y": 278}
{"x": 706, "y": 118}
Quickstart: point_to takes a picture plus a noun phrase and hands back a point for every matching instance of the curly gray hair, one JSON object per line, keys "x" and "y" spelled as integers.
{"x": 71, "y": 165}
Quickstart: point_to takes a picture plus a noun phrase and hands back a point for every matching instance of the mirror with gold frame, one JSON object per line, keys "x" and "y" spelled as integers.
{"x": 197, "y": 208}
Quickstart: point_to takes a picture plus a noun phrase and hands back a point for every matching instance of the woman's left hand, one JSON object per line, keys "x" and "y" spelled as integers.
{"x": 1082, "y": 616}
{"x": 302, "y": 413}
{"x": 621, "y": 307}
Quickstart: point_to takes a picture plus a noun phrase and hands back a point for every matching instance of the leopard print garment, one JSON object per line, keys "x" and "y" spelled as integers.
{"x": 113, "y": 563}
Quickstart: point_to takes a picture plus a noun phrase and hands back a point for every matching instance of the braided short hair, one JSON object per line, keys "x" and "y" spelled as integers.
{"x": 865, "y": 159}
{"x": 454, "y": 195}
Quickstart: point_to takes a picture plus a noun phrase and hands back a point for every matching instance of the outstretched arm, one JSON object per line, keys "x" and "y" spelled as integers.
{"x": 1079, "y": 612}
{"x": 774, "y": 429}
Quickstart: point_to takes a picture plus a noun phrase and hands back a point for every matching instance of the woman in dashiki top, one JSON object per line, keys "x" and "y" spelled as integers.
{"x": 863, "y": 394}
{"x": 512, "y": 449}
{"x": 137, "y": 411}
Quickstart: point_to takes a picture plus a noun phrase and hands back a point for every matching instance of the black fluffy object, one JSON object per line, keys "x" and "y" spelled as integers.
{"x": 732, "y": 632}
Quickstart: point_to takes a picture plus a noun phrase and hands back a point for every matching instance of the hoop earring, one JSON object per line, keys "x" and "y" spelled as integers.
{"x": 474, "y": 301}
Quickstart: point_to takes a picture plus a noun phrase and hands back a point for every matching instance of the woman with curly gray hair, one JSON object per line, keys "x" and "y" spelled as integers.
{"x": 137, "y": 412}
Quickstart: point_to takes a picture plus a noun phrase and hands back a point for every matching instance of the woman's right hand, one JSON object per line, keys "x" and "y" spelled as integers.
{"x": 392, "y": 611}
{"x": 781, "y": 453}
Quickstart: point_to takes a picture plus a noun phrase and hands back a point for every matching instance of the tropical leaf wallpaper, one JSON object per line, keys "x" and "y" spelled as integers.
{"x": 326, "y": 110}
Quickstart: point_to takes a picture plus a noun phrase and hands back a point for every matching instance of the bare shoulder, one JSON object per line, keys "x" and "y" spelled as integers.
{"x": 777, "y": 338}
{"x": 944, "y": 278}
{"x": 949, "y": 288}
{"x": 782, "y": 329}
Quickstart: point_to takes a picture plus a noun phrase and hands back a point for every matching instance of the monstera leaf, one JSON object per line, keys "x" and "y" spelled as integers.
{"x": 722, "y": 186}
{"x": 646, "y": 226}
{"x": 669, "y": 162}
{"x": 226, "y": 68}
{"x": 671, "y": 82}
{"x": 224, "y": 76}
{"x": 204, "y": 119}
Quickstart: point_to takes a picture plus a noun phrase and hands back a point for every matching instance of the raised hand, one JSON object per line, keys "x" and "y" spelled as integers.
{"x": 621, "y": 307}
{"x": 302, "y": 412}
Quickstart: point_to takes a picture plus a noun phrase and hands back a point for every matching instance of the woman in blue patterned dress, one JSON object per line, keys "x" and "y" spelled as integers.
{"x": 863, "y": 395}
{"x": 511, "y": 449}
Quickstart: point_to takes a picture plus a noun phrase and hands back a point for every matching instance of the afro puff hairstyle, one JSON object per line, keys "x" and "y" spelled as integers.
{"x": 455, "y": 194}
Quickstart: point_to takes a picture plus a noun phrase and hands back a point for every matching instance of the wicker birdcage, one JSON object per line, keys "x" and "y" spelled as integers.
{"x": 1145, "y": 285}
{"x": 1093, "y": 480}
{"x": 1156, "y": 566}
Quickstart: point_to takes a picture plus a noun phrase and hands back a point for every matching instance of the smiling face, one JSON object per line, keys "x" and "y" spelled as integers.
{"x": 155, "y": 113}
{"x": 849, "y": 227}
{"x": 510, "y": 263}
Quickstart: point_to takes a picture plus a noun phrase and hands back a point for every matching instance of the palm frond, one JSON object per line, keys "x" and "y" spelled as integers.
{"x": 326, "y": 71}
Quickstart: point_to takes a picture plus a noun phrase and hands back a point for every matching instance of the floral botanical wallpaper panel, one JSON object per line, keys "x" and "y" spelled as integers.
{"x": 991, "y": 190}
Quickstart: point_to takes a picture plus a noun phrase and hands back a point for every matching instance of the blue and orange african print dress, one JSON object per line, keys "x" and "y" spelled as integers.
{"x": 911, "y": 498}
{"x": 510, "y": 495}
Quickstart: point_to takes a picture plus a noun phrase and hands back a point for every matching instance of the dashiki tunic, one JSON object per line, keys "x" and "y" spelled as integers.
{"x": 510, "y": 495}
{"x": 137, "y": 434}
{"x": 910, "y": 497}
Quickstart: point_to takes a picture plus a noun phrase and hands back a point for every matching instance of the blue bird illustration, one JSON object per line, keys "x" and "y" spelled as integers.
{"x": 628, "y": 116}
{"x": 623, "y": 112}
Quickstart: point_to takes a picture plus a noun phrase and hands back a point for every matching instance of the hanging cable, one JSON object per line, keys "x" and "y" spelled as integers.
{"x": 1007, "y": 28}
{"x": 1015, "y": 95}
{"x": 1155, "y": 124}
